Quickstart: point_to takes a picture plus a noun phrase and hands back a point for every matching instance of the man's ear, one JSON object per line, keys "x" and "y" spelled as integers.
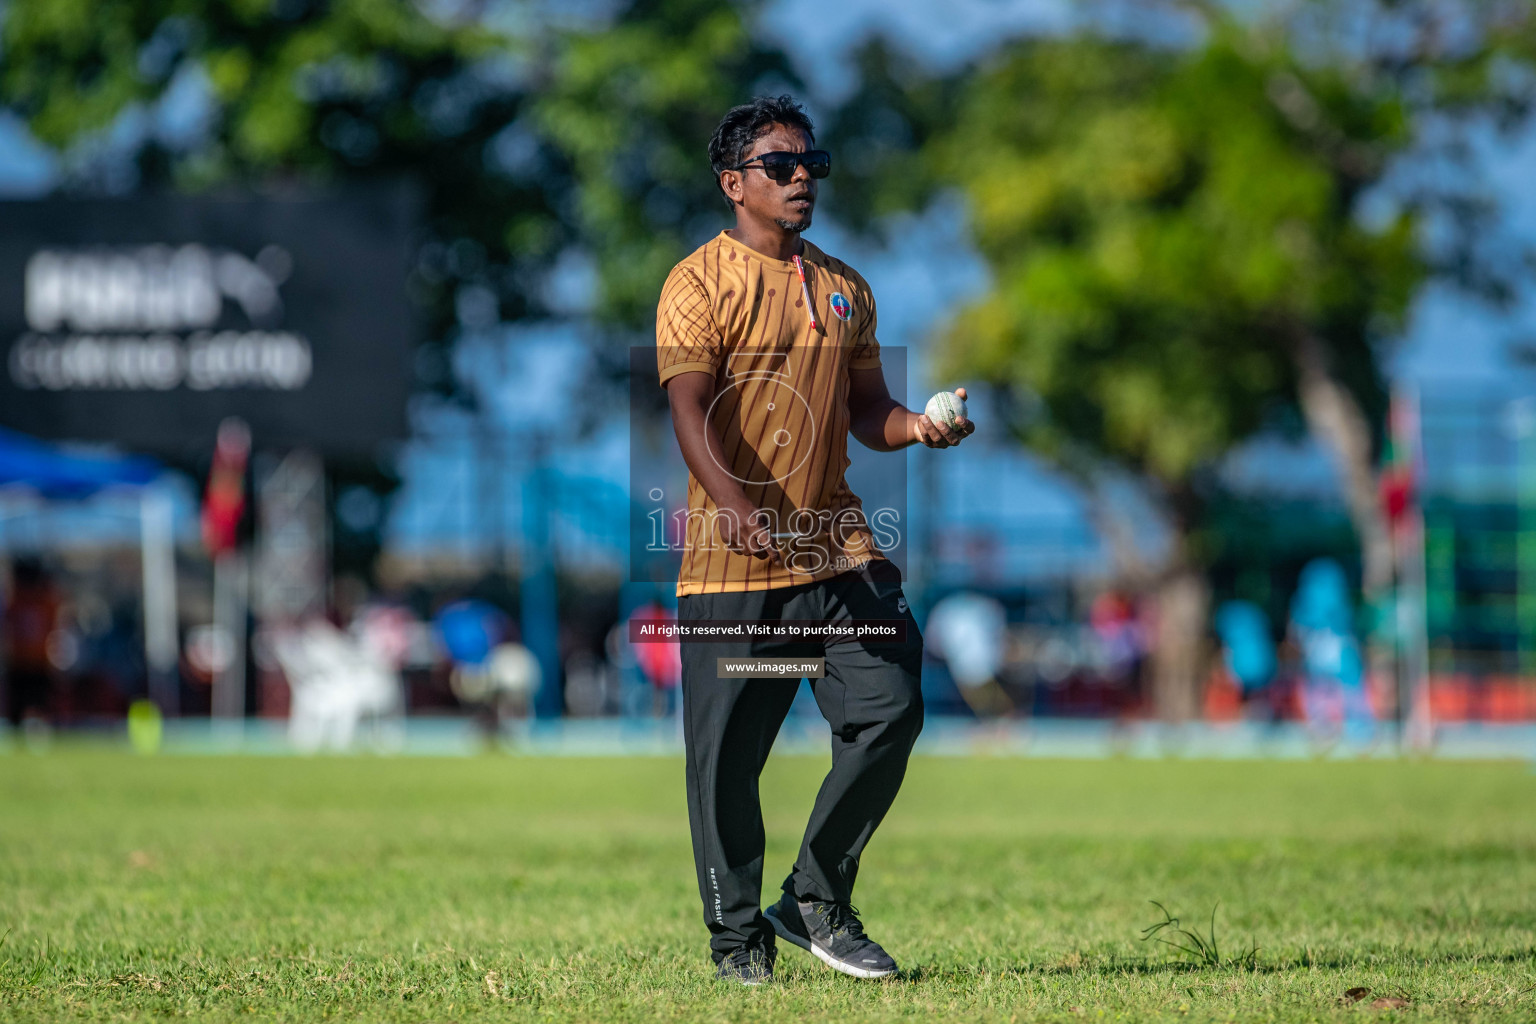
{"x": 730, "y": 183}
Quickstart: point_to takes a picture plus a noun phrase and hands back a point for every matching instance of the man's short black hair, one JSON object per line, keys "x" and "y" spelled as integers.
{"x": 744, "y": 125}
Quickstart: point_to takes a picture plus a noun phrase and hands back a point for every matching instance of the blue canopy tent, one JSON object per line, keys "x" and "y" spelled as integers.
{"x": 56, "y": 473}
{"x": 53, "y": 473}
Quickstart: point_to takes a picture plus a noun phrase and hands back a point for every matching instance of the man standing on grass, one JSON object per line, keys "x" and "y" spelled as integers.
{"x": 766, "y": 346}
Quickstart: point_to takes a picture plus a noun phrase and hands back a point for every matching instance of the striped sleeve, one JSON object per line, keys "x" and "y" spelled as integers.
{"x": 687, "y": 337}
{"x": 866, "y": 349}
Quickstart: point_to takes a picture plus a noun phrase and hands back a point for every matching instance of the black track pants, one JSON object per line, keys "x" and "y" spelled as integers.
{"x": 871, "y": 698}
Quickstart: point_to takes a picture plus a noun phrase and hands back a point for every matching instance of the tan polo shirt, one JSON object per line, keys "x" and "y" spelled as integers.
{"x": 781, "y": 405}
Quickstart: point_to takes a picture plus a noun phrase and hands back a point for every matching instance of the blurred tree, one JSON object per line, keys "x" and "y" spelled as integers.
{"x": 1189, "y": 242}
{"x": 631, "y": 109}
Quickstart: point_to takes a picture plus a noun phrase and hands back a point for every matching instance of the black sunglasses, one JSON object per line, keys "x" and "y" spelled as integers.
{"x": 780, "y": 165}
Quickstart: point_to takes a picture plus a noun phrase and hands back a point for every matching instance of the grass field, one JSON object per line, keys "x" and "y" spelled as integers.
{"x": 501, "y": 888}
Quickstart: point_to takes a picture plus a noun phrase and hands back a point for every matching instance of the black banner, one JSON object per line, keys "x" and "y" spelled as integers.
{"x": 147, "y": 321}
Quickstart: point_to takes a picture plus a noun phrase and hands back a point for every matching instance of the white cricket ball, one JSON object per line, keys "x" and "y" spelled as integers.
{"x": 946, "y": 407}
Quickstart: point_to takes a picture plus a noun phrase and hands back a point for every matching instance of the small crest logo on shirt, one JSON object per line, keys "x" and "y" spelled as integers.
{"x": 841, "y": 306}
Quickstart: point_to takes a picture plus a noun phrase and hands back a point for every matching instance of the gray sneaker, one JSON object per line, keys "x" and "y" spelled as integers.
{"x": 833, "y": 934}
{"x": 749, "y": 965}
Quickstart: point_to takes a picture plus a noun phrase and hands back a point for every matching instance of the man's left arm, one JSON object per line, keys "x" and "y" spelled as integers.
{"x": 884, "y": 424}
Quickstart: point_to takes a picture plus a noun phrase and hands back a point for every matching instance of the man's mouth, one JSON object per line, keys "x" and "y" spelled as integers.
{"x": 803, "y": 201}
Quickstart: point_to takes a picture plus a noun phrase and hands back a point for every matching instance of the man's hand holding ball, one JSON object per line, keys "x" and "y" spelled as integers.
{"x": 943, "y": 423}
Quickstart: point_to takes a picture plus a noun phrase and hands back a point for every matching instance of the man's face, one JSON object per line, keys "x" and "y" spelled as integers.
{"x": 787, "y": 204}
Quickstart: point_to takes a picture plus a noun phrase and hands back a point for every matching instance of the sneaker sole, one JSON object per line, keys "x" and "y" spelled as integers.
{"x": 827, "y": 958}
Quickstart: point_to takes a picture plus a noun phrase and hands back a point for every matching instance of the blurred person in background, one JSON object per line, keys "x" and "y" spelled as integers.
{"x": 97, "y": 653}
{"x": 1333, "y": 671}
{"x": 766, "y": 347}
{"x": 469, "y": 629}
{"x": 31, "y": 619}
{"x": 512, "y": 676}
{"x": 385, "y": 629}
{"x": 634, "y": 694}
{"x": 493, "y": 675}
{"x": 1122, "y": 640}
{"x": 1248, "y": 656}
{"x": 591, "y": 684}
{"x": 660, "y": 664}
{"x": 339, "y": 681}
{"x": 969, "y": 631}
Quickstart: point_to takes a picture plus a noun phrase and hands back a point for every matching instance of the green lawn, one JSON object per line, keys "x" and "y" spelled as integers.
{"x": 504, "y": 888}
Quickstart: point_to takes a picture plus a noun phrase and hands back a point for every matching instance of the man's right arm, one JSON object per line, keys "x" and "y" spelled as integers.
{"x": 690, "y": 395}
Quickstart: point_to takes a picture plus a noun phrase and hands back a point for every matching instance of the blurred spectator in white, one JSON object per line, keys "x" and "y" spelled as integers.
{"x": 338, "y": 682}
{"x": 500, "y": 687}
{"x": 968, "y": 631}
{"x": 386, "y": 631}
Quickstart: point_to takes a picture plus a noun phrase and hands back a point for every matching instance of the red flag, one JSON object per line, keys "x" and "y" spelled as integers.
{"x": 224, "y": 502}
{"x": 1400, "y": 474}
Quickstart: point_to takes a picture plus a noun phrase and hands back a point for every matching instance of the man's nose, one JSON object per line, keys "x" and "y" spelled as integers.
{"x": 801, "y": 175}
